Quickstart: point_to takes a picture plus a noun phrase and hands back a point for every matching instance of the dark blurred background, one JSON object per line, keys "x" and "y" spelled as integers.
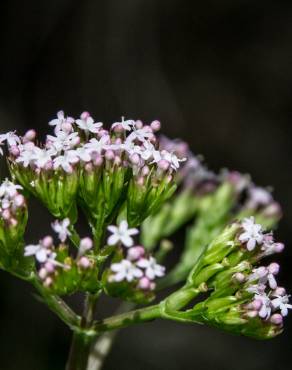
{"x": 216, "y": 73}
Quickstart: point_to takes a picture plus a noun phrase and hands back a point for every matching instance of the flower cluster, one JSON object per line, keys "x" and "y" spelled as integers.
{"x": 137, "y": 267}
{"x": 12, "y": 203}
{"x": 59, "y": 271}
{"x": 101, "y": 170}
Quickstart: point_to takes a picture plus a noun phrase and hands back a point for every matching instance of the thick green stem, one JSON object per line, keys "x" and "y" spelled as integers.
{"x": 79, "y": 352}
{"x": 81, "y": 341}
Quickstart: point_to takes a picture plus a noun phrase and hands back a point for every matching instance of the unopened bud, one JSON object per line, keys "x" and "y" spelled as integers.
{"x": 155, "y": 125}
{"x": 136, "y": 253}
{"x": 144, "y": 283}
{"x": 276, "y": 319}
{"x": 274, "y": 268}
{"x": 84, "y": 263}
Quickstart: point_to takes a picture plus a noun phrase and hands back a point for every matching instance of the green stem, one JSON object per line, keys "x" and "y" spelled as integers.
{"x": 103, "y": 344}
{"x": 79, "y": 352}
{"x": 82, "y": 340}
{"x": 129, "y": 318}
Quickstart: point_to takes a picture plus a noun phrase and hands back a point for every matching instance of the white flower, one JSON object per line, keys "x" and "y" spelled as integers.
{"x": 11, "y": 138}
{"x": 87, "y": 124}
{"x": 121, "y": 234}
{"x": 169, "y": 157}
{"x": 97, "y": 146}
{"x": 62, "y": 141}
{"x": 256, "y": 288}
{"x": 62, "y": 229}
{"x": 127, "y": 125}
{"x": 8, "y": 189}
{"x": 83, "y": 154}
{"x": 65, "y": 161}
{"x": 263, "y": 276}
{"x": 41, "y": 157}
{"x": 41, "y": 253}
{"x": 252, "y": 234}
{"x": 125, "y": 270}
{"x": 140, "y": 134}
{"x": 147, "y": 150}
{"x": 282, "y": 302}
{"x": 60, "y": 120}
{"x": 152, "y": 268}
{"x": 27, "y": 154}
{"x": 266, "y": 308}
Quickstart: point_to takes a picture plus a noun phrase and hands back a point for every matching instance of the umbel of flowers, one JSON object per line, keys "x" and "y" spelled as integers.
{"x": 122, "y": 178}
{"x": 103, "y": 171}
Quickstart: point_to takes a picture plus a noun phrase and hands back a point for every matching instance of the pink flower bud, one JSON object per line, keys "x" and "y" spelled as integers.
{"x": 274, "y": 268}
{"x": 163, "y": 164}
{"x": 252, "y": 314}
{"x": 48, "y": 282}
{"x": 109, "y": 155}
{"x": 19, "y": 200}
{"x": 118, "y": 129}
{"x": 13, "y": 222}
{"x": 43, "y": 273}
{"x": 279, "y": 291}
{"x": 85, "y": 115}
{"x": 67, "y": 127}
{"x": 14, "y": 151}
{"x": 155, "y": 125}
{"x": 6, "y": 214}
{"x": 257, "y": 304}
{"x": 50, "y": 267}
{"x": 145, "y": 171}
{"x": 76, "y": 141}
{"x": 276, "y": 319}
{"x": 98, "y": 161}
{"x": 47, "y": 241}
{"x": 102, "y": 133}
{"x": 86, "y": 244}
{"x": 84, "y": 263}
{"x": 278, "y": 247}
{"x": 239, "y": 277}
{"x": 144, "y": 283}
{"x": 135, "y": 158}
{"x": 30, "y": 135}
{"x": 139, "y": 124}
{"x": 135, "y": 253}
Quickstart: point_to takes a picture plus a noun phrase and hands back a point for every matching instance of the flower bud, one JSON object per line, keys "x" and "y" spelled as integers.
{"x": 276, "y": 319}
{"x": 84, "y": 263}
{"x": 47, "y": 241}
{"x": 278, "y": 247}
{"x": 144, "y": 283}
{"x": 109, "y": 155}
{"x": 239, "y": 277}
{"x": 14, "y": 151}
{"x": 136, "y": 253}
{"x": 279, "y": 291}
{"x": 274, "y": 268}
{"x": 155, "y": 125}
{"x": 42, "y": 273}
{"x": 30, "y": 135}
{"x": 50, "y": 267}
